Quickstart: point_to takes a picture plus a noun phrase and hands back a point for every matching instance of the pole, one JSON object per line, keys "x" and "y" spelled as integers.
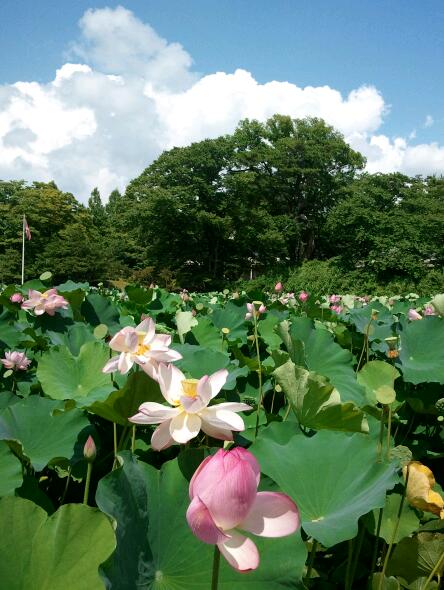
{"x": 23, "y": 250}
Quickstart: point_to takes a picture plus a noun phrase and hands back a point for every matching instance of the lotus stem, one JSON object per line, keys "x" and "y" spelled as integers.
{"x": 435, "y": 570}
{"x": 216, "y": 564}
{"x": 361, "y": 535}
{"x": 87, "y": 483}
{"x": 133, "y": 438}
{"x": 389, "y": 427}
{"x": 259, "y": 372}
{"x": 375, "y": 550}
{"x": 311, "y": 558}
{"x": 347, "y": 584}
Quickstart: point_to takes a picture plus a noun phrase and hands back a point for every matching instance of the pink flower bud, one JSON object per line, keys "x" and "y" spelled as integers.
{"x": 278, "y": 287}
{"x": 225, "y": 501}
{"x": 414, "y": 315}
{"x": 335, "y": 298}
{"x": 262, "y": 308}
{"x": 336, "y": 308}
{"x": 248, "y": 316}
{"x": 89, "y": 450}
{"x": 16, "y": 298}
{"x": 303, "y": 296}
{"x": 250, "y": 308}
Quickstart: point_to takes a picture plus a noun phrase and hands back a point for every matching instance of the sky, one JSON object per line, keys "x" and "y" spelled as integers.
{"x": 91, "y": 92}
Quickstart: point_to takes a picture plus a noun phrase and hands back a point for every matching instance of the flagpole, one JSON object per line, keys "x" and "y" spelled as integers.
{"x": 23, "y": 250}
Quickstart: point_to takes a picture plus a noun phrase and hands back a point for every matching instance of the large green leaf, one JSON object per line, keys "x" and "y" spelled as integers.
{"x": 324, "y": 356}
{"x": 97, "y": 309}
{"x": 231, "y": 316}
{"x": 316, "y": 403}
{"x": 75, "y": 336}
{"x": 41, "y": 434}
{"x": 156, "y": 549}
{"x": 125, "y": 402}
{"x": 374, "y": 375}
{"x": 80, "y": 378}
{"x": 408, "y": 521}
{"x": 334, "y": 478}
{"x": 10, "y": 470}
{"x": 422, "y": 351}
{"x": 184, "y": 322}
{"x": 206, "y": 334}
{"x": 61, "y": 552}
{"x": 199, "y": 361}
{"x": 416, "y": 556}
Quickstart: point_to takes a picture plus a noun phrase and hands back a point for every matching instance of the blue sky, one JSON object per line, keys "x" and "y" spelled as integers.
{"x": 395, "y": 46}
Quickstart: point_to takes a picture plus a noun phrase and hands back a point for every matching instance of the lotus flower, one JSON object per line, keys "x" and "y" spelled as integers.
{"x": 278, "y": 287}
{"x": 140, "y": 345}
{"x": 335, "y": 298}
{"x": 303, "y": 296}
{"x": 17, "y": 361}
{"x": 16, "y": 298}
{"x": 47, "y": 302}
{"x": 252, "y": 311}
{"x": 189, "y": 414}
{"x": 428, "y": 310}
{"x": 224, "y": 499}
{"x": 336, "y": 308}
{"x": 414, "y": 315}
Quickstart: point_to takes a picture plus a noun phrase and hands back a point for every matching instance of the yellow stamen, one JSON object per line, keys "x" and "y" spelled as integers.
{"x": 189, "y": 387}
{"x": 142, "y": 349}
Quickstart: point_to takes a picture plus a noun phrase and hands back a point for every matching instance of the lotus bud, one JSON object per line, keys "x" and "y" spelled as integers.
{"x": 16, "y": 298}
{"x": 303, "y": 296}
{"x": 90, "y": 450}
{"x": 278, "y": 287}
{"x": 262, "y": 308}
{"x": 414, "y": 315}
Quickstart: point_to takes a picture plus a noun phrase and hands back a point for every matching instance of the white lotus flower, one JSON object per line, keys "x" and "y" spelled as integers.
{"x": 140, "y": 345}
{"x": 190, "y": 412}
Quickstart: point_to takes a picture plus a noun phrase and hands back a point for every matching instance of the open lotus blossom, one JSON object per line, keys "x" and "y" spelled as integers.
{"x": 17, "y": 361}
{"x": 190, "y": 412}
{"x": 142, "y": 346}
{"x": 303, "y": 296}
{"x": 428, "y": 310}
{"x": 16, "y": 298}
{"x": 414, "y": 315}
{"x": 225, "y": 501}
{"x": 335, "y": 298}
{"x": 47, "y": 302}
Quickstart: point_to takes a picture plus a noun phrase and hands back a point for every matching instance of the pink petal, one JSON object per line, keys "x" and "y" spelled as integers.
{"x": 251, "y": 459}
{"x": 184, "y": 427}
{"x": 272, "y": 515}
{"x": 217, "y": 380}
{"x": 148, "y": 326}
{"x": 197, "y": 474}
{"x": 153, "y": 413}
{"x": 150, "y": 367}
{"x": 160, "y": 341}
{"x": 119, "y": 341}
{"x": 202, "y": 525}
{"x": 161, "y": 438}
{"x": 112, "y": 365}
{"x": 240, "y": 552}
{"x": 224, "y": 419}
{"x": 165, "y": 356}
{"x": 233, "y": 407}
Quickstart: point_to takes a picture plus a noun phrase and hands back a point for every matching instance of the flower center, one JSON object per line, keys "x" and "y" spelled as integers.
{"x": 189, "y": 387}
{"x": 142, "y": 349}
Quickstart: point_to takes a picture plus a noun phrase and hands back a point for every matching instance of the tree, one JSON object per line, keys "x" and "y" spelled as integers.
{"x": 96, "y": 209}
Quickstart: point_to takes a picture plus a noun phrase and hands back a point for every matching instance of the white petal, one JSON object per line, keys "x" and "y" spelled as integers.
{"x": 125, "y": 363}
{"x": 233, "y": 407}
{"x": 170, "y": 380}
{"x": 240, "y": 551}
{"x": 161, "y": 438}
{"x": 160, "y": 341}
{"x": 112, "y": 365}
{"x": 224, "y": 419}
{"x": 217, "y": 380}
{"x": 184, "y": 427}
{"x": 273, "y": 514}
{"x": 218, "y": 433}
{"x": 155, "y": 413}
{"x": 149, "y": 328}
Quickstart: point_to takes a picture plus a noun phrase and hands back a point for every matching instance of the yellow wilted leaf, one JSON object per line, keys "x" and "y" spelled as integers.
{"x": 419, "y": 489}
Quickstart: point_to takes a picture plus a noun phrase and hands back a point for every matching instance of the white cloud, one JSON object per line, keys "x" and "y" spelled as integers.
{"x": 101, "y": 122}
{"x": 428, "y": 121}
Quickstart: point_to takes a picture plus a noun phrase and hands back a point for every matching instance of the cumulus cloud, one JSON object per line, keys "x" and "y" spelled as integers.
{"x": 428, "y": 121}
{"x": 102, "y": 121}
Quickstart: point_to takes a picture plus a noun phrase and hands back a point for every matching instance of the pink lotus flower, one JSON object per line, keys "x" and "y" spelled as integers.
{"x": 89, "y": 449}
{"x": 278, "y": 287}
{"x": 189, "y": 414}
{"x": 224, "y": 499}
{"x": 16, "y": 298}
{"x": 336, "y": 308}
{"x": 140, "y": 345}
{"x": 428, "y": 310}
{"x": 414, "y": 315}
{"x": 46, "y": 302}
{"x": 17, "y": 361}
{"x": 252, "y": 311}
{"x": 335, "y": 298}
{"x": 303, "y": 296}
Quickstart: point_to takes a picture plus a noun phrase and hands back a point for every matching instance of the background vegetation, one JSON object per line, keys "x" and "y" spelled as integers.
{"x": 286, "y": 199}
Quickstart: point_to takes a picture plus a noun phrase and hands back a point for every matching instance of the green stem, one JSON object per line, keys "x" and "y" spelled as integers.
{"x": 364, "y": 346}
{"x": 357, "y": 552}
{"x": 389, "y": 427}
{"x": 395, "y": 531}
{"x": 347, "y": 584}
{"x": 375, "y": 550}
{"x": 381, "y": 437}
{"x": 133, "y": 438}
{"x": 259, "y": 372}
{"x": 88, "y": 481}
{"x": 216, "y": 564}
{"x": 311, "y": 558}
{"x": 435, "y": 570}
{"x": 62, "y": 499}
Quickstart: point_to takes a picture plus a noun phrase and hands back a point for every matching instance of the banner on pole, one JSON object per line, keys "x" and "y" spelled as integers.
{"x": 26, "y": 227}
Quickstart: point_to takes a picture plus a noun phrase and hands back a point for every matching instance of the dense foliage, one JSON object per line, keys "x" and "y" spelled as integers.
{"x": 346, "y": 418}
{"x": 259, "y": 202}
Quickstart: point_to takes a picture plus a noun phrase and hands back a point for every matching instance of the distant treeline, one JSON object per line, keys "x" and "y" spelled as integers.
{"x": 267, "y": 201}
